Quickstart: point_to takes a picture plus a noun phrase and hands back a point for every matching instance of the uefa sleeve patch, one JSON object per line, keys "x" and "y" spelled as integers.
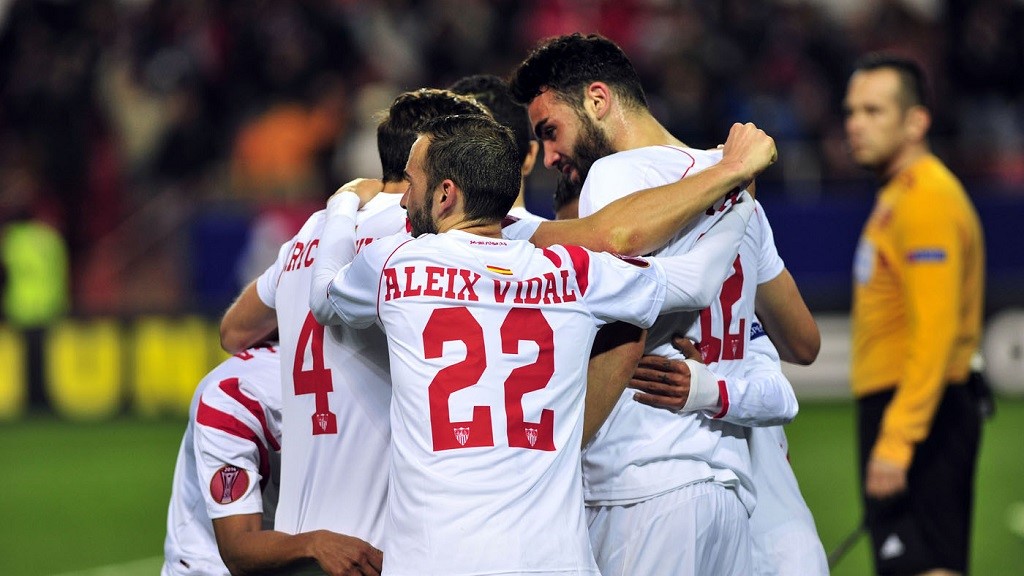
{"x": 229, "y": 484}
{"x": 926, "y": 255}
{"x": 756, "y": 330}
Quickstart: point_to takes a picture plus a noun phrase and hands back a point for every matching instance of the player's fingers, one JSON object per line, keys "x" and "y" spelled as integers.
{"x": 687, "y": 346}
{"x": 658, "y": 375}
{"x": 659, "y": 401}
{"x": 658, "y": 388}
{"x": 652, "y": 362}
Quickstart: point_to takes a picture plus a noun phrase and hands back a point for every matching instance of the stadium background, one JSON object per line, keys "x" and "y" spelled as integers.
{"x": 175, "y": 144}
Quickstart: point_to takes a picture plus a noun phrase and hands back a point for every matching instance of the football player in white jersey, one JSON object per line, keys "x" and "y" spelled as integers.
{"x": 650, "y": 473}
{"x": 489, "y": 340}
{"x": 784, "y": 535}
{"x": 227, "y": 462}
{"x": 335, "y": 379}
{"x": 225, "y": 487}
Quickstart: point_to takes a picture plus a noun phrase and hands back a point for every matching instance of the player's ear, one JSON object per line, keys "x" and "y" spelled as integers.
{"x": 917, "y": 122}
{"x": 531, "y": 158}
{"x": 597, "y": 99}
{"x": 447, "y": 196}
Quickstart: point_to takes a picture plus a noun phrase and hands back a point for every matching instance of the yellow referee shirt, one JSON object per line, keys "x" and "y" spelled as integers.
{"x": 917, "y": 300}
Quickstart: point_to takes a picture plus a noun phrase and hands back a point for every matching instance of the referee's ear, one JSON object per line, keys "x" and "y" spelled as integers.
{"x": 917, "y": 123}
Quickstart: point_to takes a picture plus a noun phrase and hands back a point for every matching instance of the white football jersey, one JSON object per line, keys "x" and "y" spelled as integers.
{"x": 336, "y": 393}
{"x": 227, "y": 461}
{"x": 640, "y": 452}
{"x": 489, "y": 342}
{"x": 786, "y": 541}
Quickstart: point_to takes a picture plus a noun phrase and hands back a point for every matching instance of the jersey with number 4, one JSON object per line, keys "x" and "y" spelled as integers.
{"x": 336, "y": 393}
{"x": 228, "y": 459}
{"x": 639, "y": 453}
{"x": 489, "y": 341}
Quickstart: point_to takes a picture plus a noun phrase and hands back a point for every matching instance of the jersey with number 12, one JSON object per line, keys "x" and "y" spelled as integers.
{"x": 336, "y": 393}
{"x": 640, "y": 452}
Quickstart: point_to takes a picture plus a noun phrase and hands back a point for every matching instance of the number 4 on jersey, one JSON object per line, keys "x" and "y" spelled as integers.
{"x": 317, "y": 379}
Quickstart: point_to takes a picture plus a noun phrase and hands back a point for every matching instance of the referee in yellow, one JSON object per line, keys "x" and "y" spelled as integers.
{"x": 916, "y": 320}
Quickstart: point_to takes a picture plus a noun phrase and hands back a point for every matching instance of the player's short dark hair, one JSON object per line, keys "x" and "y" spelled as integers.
{"x": 913, "y": 86}
{"x": 565, "y": 192}
{"x": 479, "y": 155}
{"x": 398, "y": 126}
{"x": 493, "y": 93}
{"x": 567, "y": 64}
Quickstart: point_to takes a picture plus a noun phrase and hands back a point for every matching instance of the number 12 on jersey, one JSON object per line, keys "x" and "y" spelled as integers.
{"x": 730, "y": 345}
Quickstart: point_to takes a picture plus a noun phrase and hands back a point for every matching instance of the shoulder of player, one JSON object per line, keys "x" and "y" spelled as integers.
{"x": 313, "y": 225}
{"x": 578, "y": 255}
{"x": 384, "y": 247}
{"x": 245, "y": 378}
{"x": 930, "y": 198}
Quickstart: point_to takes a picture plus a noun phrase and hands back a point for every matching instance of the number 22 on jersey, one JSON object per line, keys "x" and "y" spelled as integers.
{"x": 458, "y": 325}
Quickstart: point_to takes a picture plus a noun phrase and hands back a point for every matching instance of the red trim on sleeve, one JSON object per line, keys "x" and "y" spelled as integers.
{"x": 553, "y": 256}
{"x": 723, "y": 392}
{"x": 213, "y": 418}
{"x": 232, "y": 388}
{"x": 581, "y": 263}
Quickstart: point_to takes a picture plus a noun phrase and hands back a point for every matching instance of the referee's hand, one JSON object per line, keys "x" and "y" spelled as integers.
{"x": 884, "y": 479}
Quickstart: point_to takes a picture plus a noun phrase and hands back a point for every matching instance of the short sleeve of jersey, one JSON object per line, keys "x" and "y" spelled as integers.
{"x": 769, "y": 264}
{"x": 234, "y": 435}
{"x": 621, "y": 289}
{"x": 354, "y": 291}
{"x": 520, "y": 228}
{"x": 607, "y": 182}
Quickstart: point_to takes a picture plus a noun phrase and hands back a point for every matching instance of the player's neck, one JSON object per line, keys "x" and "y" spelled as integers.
{"x": 903, "y": 160}
{"x": 640, "y": 130}
{"x": 486, "y": 228}
{"x": 395, "y": 187}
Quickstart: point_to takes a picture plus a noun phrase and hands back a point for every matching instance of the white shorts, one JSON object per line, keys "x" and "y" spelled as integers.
{"x": 697, "y": 530}
{"x": 790, "y": 549}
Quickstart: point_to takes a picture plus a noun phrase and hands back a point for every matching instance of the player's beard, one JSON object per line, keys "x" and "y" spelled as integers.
{"x": 591, "y": 146}
{"x": 420, "y": 219}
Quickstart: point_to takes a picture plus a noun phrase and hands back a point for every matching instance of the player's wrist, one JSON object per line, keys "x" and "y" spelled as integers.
{"x": 343, "y": 204}
{"x": 704, "y": 392}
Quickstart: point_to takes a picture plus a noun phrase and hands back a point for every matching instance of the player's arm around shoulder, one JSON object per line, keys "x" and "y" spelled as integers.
{"x": 248, "y": 549}
{"x": 337, "y": 248}
{"x": 351, "y": 294}
{"x": 247, "y": 321}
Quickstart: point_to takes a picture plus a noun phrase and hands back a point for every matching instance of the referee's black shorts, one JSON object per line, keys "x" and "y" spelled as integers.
{"x": 928, "y": 526}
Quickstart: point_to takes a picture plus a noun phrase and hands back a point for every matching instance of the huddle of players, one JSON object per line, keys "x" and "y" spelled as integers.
{"x": 669, "y": 473}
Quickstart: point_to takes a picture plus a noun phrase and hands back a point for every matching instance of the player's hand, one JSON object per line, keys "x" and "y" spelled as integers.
{"x": 365, "y": 188}
{"x": 748, "y": 150}
{"x": 884, "y": 479}
{"x": 665, "y": 383}
{"x": 340, "y": 555}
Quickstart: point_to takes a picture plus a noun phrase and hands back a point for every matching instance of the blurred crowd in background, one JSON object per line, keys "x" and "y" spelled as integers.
{"x": 174, "y": 144}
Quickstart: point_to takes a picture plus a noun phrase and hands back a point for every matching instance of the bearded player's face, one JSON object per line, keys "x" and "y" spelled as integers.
{"x": 572, "y": 141}
{"x": 417, "y": 199}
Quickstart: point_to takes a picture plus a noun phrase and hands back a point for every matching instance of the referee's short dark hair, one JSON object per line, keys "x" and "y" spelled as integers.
{"x": 913, "y": 85}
